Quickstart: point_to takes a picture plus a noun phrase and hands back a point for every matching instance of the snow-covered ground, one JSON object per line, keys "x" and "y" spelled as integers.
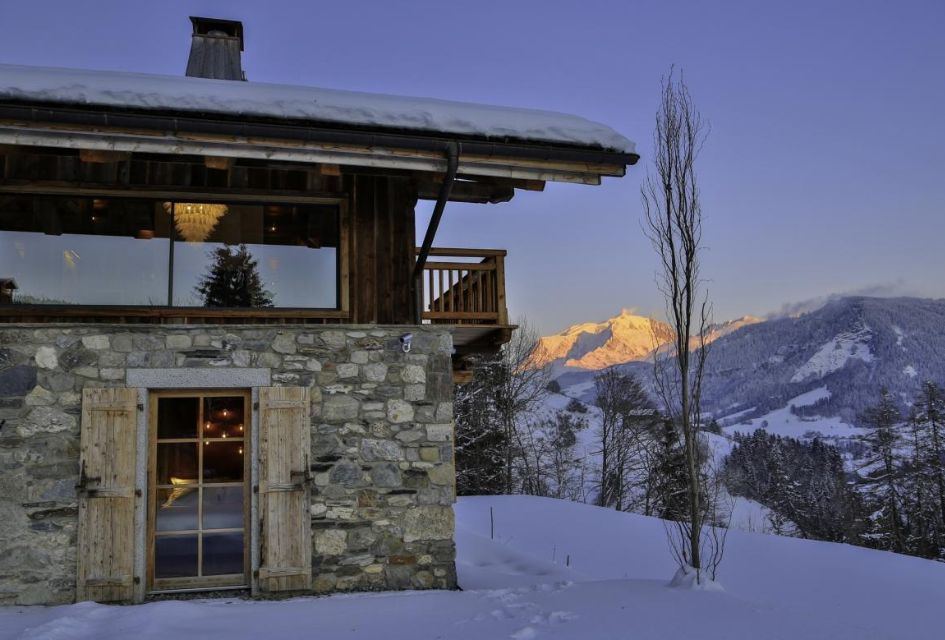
{"x": 783, "y": 422}
{"x": 519, "y": 586}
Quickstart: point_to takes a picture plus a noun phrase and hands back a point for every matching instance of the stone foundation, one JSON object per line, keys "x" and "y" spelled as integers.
{"x": 382, "y": 442}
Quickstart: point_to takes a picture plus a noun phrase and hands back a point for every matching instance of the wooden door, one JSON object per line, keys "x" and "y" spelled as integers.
{"x": 106, "y": 492}
{"x": 284, "y": 493}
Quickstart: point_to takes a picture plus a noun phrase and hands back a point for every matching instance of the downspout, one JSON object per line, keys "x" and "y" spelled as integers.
{"x": 452, "y": 163}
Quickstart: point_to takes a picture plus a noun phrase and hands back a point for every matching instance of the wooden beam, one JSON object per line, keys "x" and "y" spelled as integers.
{"x": 515, "y": 183}
{"x": 101, "y": 156}
{"x": 99, "y": 311}
{"x": 329, "y": 169}
{"x": 168, "y": 193}
{"x": 115, "y": 139}
{"x": 466, "y": 266}
{"x": 218, "y": 162}
{"x": 462, "y": 376}
{"x": 467, "y": 192}
{"x": 455, "y": 252}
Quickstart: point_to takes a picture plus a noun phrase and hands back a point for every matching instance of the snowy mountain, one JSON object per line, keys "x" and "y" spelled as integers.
{"x": 624, "y": 338}
{"x": 814, "y": 372}
{"x": 846, "y": 351}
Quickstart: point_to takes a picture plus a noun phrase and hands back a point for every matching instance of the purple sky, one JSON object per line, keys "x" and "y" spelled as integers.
{"x": 824, "y": 171}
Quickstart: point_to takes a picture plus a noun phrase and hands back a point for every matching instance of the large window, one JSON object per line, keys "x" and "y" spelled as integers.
{"x": 130, "y": 252}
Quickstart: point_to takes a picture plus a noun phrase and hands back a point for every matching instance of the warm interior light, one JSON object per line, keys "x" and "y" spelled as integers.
{"x": 195, "y": 220}
{"x": 224, "y": 434}
{"x": 225, "y": 413}
{"x": 182, "y": 486}
{"x": 207, "y": 427}
{"x": 240, "y": 427}
{"x": 241, "y": 450}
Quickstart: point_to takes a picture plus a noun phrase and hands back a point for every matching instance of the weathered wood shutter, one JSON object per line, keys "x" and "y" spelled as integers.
{"x": 106, "y": 491}
{"x": 284, "y": 452}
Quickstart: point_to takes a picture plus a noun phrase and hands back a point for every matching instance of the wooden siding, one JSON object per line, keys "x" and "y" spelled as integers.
{"x": 382, "y": 229}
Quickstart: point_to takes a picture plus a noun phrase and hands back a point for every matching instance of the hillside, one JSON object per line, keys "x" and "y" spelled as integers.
{"x": 519, "y": 586}
{"x": 828, "y": 364}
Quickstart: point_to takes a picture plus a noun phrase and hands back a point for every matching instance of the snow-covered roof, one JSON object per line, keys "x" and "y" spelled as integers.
{"x": 329, "y": 106}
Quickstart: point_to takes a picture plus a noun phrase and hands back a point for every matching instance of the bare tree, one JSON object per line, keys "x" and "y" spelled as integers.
{"x": 518, "y": 388}
{"x": 627, "y": 440}
{"x": 673, "y": 223}
{"x": 547, "y": 463}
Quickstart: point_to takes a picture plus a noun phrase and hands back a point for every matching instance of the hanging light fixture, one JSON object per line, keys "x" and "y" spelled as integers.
{"x": 195, "y": 220}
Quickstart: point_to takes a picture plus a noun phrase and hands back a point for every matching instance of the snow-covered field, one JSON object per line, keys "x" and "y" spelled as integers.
{"x": 783, "y": 422}
{"x": 519, "y": 586}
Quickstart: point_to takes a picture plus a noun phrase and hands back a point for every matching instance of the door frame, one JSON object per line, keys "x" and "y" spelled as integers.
{"x": 213, "y": 583}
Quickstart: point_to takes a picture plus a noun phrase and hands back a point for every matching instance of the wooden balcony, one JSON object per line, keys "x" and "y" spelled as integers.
{"x": 465, "y": 288}
{"x": 462, "y": 289}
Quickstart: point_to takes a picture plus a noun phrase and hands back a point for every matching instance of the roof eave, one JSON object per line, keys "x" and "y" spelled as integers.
{"x": 553, "y": 161}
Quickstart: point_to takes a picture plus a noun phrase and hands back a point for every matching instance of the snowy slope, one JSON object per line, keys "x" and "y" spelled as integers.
{"x": 844, "y": 591}
{"x": 517, "y": 586}
{"x": 786, "y": 422}
{"x": 835, "y": 354}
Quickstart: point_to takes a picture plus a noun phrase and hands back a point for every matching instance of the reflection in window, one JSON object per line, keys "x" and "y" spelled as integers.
{"x": 260, "y": 256}
{"x": 96, "y": 251}
{"x": 65, "y": 251}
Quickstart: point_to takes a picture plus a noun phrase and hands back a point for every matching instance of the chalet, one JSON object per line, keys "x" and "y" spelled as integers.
{"x": 226, "y": 364}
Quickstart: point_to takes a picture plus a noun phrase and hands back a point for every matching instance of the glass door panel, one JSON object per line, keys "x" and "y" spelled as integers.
{"x": 199, "y": 494}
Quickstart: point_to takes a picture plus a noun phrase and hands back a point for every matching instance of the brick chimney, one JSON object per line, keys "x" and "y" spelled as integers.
{"x": 215, "y": 49}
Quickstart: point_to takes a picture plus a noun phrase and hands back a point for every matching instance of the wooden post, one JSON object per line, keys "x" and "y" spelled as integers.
{"x": 500, "y": 290}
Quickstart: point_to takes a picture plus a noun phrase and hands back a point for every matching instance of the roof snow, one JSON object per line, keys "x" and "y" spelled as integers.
{"x": 329, "y": 106}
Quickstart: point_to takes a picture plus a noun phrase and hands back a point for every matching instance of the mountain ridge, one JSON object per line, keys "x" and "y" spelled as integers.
{"x": 846, "y": 350}
{"x": 624, "y": 338}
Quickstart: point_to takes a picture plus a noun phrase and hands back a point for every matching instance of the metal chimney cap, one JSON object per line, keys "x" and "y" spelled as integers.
{"x": 231, "y": 28}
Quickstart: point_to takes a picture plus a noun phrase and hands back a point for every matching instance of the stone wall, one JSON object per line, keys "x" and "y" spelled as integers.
{"x": 382, "y": 441}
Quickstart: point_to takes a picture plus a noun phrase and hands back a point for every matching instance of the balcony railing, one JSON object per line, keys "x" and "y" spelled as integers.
{"x": 465, "y": 286}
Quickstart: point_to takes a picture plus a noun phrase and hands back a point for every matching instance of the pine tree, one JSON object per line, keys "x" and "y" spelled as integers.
{"x": 930, "y": 415}
{"x": 804, "y": 483}
{"x": 233, "y": 280}
{"x": 925, "y": 502}
{"x": 480, "y": 440}
{"x": 669, "y": 475}
{"x": 883, "y": 478}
